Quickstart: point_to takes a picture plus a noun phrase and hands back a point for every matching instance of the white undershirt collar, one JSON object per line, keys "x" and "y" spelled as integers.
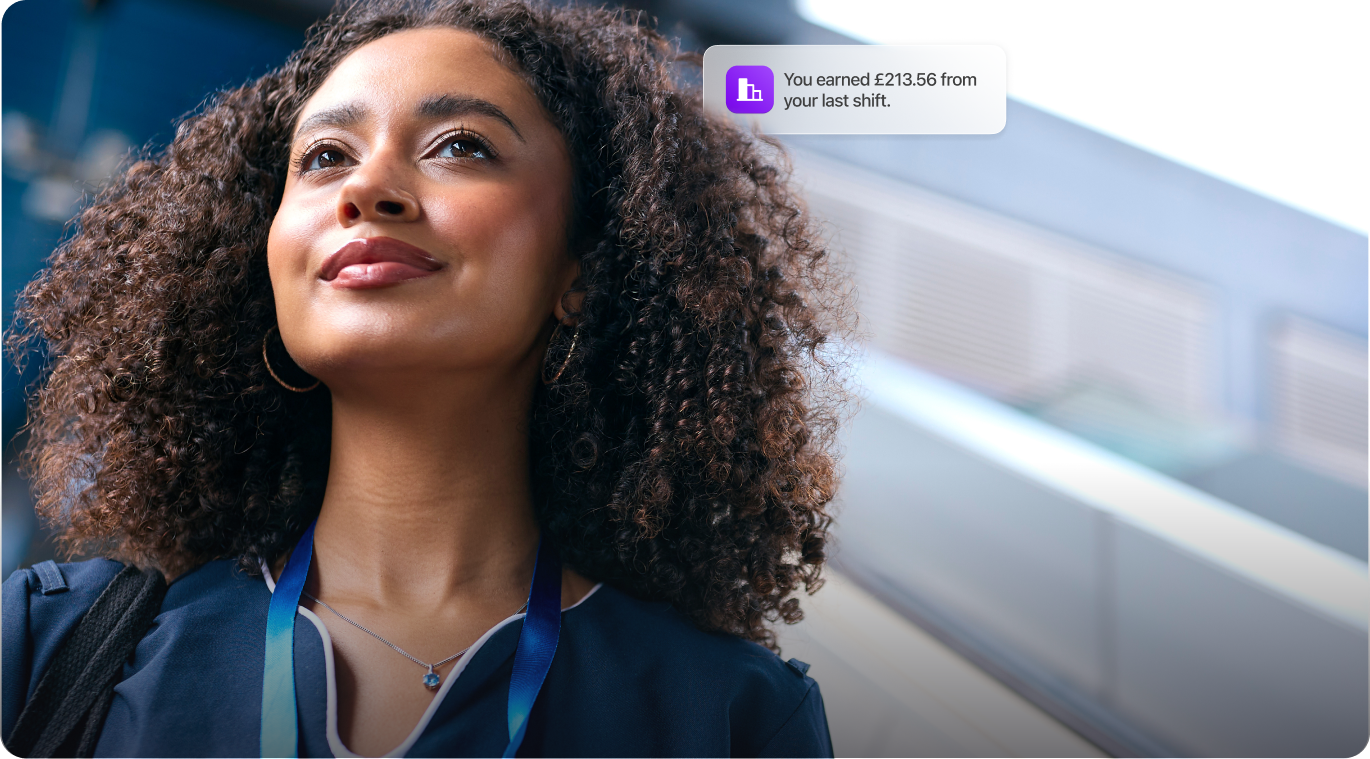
{"x": 335, "y": 743}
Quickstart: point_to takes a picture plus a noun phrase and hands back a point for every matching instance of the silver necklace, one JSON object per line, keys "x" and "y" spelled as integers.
{"x": 432, "y": 679}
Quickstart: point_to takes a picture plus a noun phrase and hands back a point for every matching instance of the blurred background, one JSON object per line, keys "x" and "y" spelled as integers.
{"x": 1105, "y": 492}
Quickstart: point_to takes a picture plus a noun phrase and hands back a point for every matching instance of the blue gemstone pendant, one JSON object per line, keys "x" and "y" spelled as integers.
{"x": 431, "y": 679}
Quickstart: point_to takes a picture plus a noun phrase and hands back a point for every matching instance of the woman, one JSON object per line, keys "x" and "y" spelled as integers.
{"x": 461, "y": 291}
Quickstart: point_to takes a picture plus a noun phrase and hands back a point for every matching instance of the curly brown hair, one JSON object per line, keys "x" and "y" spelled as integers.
{"x": 685, "y": 454}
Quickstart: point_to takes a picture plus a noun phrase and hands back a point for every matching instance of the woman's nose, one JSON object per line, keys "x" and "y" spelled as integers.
{"x": 375, "y": 195}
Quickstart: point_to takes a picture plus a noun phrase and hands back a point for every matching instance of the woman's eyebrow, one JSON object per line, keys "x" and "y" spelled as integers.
{"x": 431, "y": 108}
{"x": 338, "y": 117}
{"x": 446, "y": 106}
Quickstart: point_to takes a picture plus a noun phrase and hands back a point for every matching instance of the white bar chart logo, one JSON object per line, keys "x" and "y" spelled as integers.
{"x": 749, "y": 92}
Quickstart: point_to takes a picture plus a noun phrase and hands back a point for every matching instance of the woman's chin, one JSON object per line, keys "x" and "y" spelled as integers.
{"x": 340, "y": 367}
{"x": 372, "y": 363}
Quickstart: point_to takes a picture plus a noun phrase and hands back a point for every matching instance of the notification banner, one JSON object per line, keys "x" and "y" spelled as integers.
{"x": 859, "y": 89}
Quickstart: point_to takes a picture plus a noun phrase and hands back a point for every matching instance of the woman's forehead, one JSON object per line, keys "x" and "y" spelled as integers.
{"x": 396, "y": 72}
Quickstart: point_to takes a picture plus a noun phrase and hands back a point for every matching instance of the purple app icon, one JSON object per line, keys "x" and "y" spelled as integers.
{"x": 750, "y": 89}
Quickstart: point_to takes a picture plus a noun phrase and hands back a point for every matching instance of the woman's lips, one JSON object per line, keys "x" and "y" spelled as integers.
{"x": 377, "y": 262}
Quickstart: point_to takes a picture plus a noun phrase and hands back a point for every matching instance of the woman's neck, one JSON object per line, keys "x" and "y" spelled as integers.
{"x": 427, "y": 503}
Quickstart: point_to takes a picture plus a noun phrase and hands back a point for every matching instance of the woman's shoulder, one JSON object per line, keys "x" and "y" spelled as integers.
{"x": 73, "y": 580}
{"x": 772, "y": 703}
{"x": 39, "y": 606}
{"x": 42, "y": 604}
{"x": 48, "y": 599}
{"x": 660, "y": 632}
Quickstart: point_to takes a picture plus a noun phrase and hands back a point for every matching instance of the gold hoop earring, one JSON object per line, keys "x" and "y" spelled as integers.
{"x": 570, "y": 352}
{"x": 272, "y": 372}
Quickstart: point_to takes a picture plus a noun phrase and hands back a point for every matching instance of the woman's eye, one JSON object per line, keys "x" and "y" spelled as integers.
{"x": 325, "y": 159}
{"x": 465, "y": 147}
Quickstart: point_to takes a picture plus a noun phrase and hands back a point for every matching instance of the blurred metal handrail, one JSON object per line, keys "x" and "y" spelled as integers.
{"x": 1306, "y": 571}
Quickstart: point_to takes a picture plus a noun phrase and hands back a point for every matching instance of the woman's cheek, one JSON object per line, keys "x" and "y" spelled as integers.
{"x": 534, "y": 222}
{"x": 288, "y": 263}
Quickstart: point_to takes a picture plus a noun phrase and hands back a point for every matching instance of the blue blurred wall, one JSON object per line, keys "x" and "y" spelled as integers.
{"x": 155, "y": 60}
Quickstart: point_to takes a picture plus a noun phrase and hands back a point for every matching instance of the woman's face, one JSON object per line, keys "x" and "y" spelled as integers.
{"x": 423, "y": 227}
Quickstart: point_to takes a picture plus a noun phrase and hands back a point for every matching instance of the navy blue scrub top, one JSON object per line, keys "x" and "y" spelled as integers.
{"x": 630, "y": 678}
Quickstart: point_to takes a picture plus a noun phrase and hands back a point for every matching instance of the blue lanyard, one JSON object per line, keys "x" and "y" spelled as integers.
{"x": 532, "y": 659}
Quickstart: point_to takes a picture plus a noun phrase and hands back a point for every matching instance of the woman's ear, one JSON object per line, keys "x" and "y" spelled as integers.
{"x": 570, "y": 296}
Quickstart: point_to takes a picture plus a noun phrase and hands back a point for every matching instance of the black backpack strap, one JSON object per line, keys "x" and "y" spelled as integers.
{"x": 67, "y": 709}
